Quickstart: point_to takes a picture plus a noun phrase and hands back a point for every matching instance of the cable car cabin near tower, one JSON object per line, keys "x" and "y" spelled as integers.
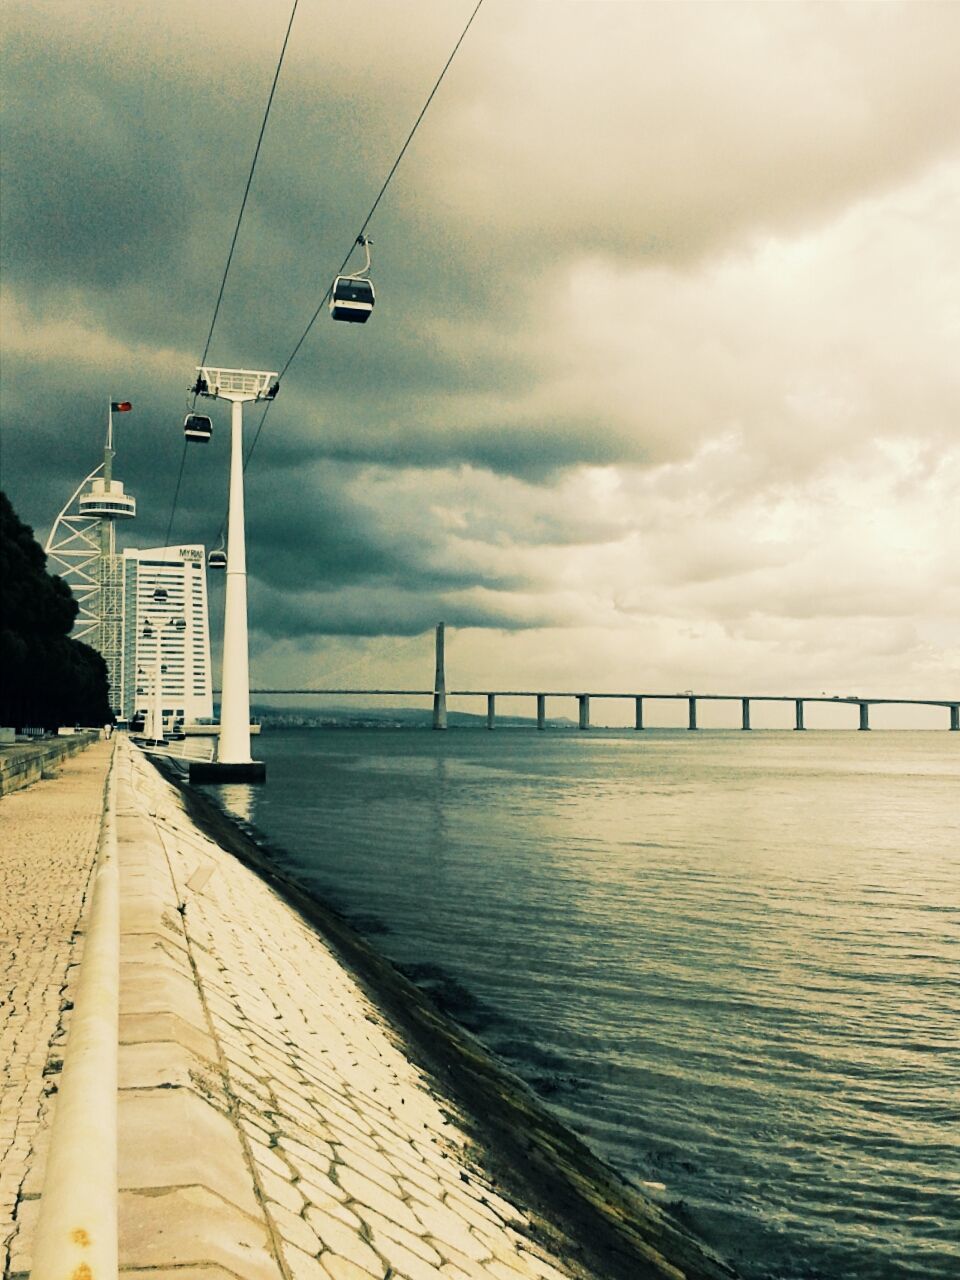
{"x": 352, "y": 297}
{"x": 196, "y": 426}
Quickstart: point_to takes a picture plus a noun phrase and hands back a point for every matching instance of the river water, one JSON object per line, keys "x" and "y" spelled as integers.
{"x": 730, "y": 961}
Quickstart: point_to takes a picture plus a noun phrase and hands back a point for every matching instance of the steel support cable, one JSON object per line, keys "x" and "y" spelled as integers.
{"x": 246, "y": 190}
{"x": 386, "y": 183}
{"x": 233, "y": 241}
{"x": 176, "y": 495}
{"x": 363, "y": 228}
{"x": 367, "y": 220}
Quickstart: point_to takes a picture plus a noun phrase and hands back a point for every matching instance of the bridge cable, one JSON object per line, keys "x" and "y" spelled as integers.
{"x": 389, "y": 651}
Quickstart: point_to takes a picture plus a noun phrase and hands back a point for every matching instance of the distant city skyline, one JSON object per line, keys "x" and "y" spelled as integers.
{"x": 661, "y": 386}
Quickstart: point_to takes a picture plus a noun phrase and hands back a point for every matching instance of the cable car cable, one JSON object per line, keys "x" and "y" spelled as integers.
{"x": 366, "y": 221}
{"x": 233, "y": 245}
{"x": 246, "y": 191}
{"x": 362, "y": 231}
{"x": 176, "y": 495}
{"x": 386, "y": 183}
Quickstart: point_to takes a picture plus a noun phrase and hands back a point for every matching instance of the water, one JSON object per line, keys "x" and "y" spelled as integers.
{"x": 730, "y": 961}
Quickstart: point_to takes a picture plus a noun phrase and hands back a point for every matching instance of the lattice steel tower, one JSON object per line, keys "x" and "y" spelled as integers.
{"x": 82, "y": 549}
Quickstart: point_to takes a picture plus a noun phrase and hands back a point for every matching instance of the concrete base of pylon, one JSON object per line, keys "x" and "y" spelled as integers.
{"x": 222, "y": 771}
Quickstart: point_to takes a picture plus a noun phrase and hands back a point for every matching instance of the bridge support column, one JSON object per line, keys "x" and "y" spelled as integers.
{"x": 798, "y": 722}
{"x": 491, "y": 710}
{"x": 955, "y": 717}
{"x": 864, "y": 715}
{"x": 584, "y": 701}
{"x": 541, "y": 710}
{"x": 692, "y": 720}
{"x": 440, "y": 685}
{"x": 638, "y": 721}
{"x": 744, "y": 713}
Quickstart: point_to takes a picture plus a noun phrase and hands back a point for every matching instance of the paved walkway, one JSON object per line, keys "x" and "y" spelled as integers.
{"x": 270, "y": 1123}
{"x": 48, "y": 841}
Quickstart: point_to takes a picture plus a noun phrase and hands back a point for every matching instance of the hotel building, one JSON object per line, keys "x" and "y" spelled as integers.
{"x": 165, "y": 606}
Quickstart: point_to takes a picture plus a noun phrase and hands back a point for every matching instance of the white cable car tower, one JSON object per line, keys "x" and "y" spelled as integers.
{"x": 82, "y": 549}
{"x": 234, "y": 762}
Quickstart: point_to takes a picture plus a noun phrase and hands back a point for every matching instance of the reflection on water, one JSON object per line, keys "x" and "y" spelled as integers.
{"x": 239, "y": 798}
{"x": 728, "y": 960}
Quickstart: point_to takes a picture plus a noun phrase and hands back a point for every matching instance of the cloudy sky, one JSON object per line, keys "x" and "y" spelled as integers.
{"x": 662, "y": 386}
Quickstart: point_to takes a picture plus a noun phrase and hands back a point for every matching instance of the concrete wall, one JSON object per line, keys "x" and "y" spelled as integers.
{"x": 26, "y": 762}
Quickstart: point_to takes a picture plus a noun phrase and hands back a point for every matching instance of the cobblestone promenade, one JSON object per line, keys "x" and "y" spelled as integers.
{"x": 48, "y": 841}
{"x": 270, "y": 1123}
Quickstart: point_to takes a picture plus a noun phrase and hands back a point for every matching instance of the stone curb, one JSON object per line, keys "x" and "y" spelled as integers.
{"x": 76, "y": 1233}
{"x": 187, "y": 1195}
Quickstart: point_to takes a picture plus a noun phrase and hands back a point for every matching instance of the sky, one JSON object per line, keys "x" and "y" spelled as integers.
{"x": 661, "y": 390}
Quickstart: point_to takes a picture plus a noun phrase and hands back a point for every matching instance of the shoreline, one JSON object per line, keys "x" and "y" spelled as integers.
{"x": 588, "y": 1211}
{"x": 285, "y": 1104}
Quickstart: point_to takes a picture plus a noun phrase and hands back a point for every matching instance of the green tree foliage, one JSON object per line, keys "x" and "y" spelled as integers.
{"x": 46, "y": 679}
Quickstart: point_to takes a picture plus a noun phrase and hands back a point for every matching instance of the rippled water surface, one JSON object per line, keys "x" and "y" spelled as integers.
{"x": 730, "y": 961}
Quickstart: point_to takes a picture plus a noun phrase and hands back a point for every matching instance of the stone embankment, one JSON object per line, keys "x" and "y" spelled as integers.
{"x": 24, "y": 763}
{"x": 274, "y": 1122}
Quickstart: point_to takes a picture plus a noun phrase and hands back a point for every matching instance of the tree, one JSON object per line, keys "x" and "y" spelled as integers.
{"x": 46, "y": 679}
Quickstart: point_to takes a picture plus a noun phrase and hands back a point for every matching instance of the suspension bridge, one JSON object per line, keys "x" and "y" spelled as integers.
{"x": 439, "y": 694}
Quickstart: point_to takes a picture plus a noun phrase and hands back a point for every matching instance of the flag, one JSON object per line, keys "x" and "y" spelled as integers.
{"x": 121, "y": 406}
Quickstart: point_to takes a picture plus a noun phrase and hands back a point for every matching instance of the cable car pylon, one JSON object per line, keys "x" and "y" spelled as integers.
{"x": 234, "y": 762}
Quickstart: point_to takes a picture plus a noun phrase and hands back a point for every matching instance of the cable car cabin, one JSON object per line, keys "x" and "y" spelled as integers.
{"x": 197, "y": 427}
{"x": 217, "y": 560}
{"x": 352, "y": 299}
{"x": 160, "y": 593}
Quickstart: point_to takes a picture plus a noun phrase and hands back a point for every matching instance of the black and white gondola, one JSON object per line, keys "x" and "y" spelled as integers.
{"x": 352, "y": 297}
{"x": 196, "y": 426}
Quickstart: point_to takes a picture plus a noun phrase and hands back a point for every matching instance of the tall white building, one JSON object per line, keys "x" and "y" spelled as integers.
{"x": 165, "y": 605}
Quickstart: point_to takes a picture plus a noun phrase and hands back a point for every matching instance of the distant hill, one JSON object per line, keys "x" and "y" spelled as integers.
{"x": 341, "y": 717}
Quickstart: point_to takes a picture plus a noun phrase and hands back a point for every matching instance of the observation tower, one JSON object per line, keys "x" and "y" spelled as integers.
{"x": 82, "y": 549}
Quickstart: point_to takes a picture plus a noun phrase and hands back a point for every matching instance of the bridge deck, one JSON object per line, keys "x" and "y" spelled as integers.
{"x": 585, "y": 693}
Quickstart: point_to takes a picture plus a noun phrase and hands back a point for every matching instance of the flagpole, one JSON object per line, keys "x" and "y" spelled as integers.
{"x": 108, "y": 447}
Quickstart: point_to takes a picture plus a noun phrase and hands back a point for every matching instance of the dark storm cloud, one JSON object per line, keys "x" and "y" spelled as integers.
{"x": 388, "y": 609}
{"x": 103, "y": 212}
{"x": 567, "y": 272}
{"x": 339, "y": 536}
